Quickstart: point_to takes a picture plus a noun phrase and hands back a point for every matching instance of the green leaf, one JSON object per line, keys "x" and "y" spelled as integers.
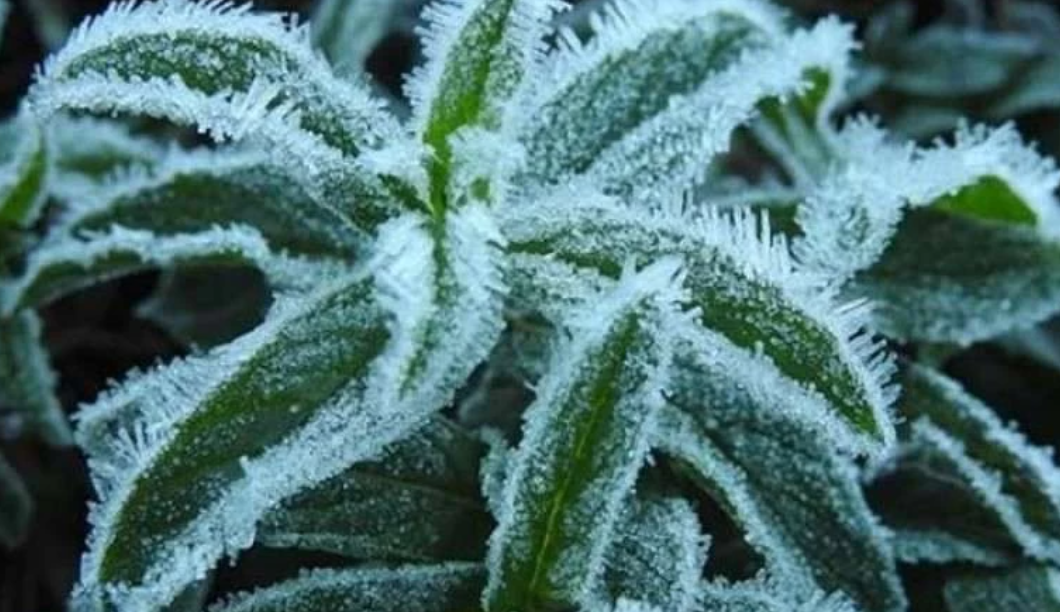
{"x": 89, "y": 150}
{"x": 642, "y": 57}
{"x": 66, "y": 265}
{"x": 584, "y": 440}
{"x": 418, "y": 501}
{"x": 16, "y": 506}
{"x": 24, "y": 170}
{"x": 1028, "y": 587}
{"x": 949, "y": 277}
{"x": 451, "y": 587}
{"x": 478, "y": 52}
{"x": 746, "y": 287}
{"x": 659, "y": 557}
{"x": 796, "y": 497}
{"x": 192, "y": 191}
{"x": 27, "y": 382}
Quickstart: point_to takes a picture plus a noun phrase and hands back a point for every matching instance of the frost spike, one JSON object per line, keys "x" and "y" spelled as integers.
{"x": 585, "y": 438}
{"x": 478, "y": 52}
{"x": 744, "y": 283}
{"x": 426, "y": 588}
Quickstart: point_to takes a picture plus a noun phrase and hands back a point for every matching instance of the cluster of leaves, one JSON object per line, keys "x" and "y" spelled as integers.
{"x": 559, "y": 210}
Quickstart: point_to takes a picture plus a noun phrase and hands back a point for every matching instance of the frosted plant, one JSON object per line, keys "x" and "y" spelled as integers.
{"x": 556, "y": 211}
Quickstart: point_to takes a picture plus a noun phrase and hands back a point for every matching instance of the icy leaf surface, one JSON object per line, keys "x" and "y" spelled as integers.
{"x": 191, "y": 191}
{"x": 659, "y": 555}
{"x": 584, "y": 440}
{"x": 761, "y": 596}
{"x": 417, "y": 502}
{"x": 427, "y": 588}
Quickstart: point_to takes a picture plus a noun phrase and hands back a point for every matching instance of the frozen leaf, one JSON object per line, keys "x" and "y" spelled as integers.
{"x": 27, "y": 382}
{"x": 796, "y": 497}
{"x": 949, "y": 277}
{"x": 64, "y": 265}
{"x": 191, "y": 191}
{"x": 659, "y": 555}
{"x": 1034, "y": 588}
{"x": 588, "y": 96}
{"x": 429, "y": 588}
{"x": 744, "y": 283}
{"x": 235, "y": 75}
{"x": 478, "y": 52}
{"x": 585, "y": 438}
{"x": 16, "y": 506}
{"x": 418, "y": 501}
{"x": 24, "y": 170}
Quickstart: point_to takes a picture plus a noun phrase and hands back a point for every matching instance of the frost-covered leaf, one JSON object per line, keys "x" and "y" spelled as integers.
{"x": 760, "y": 596}
{"x": 24, "y": 170}
{"x": 27, "y": 382}
{"x": 95, "y": 148}
{"x": 584, "y": 440}
{"x": 745, "y": 285}
{"x": 418, "y": 501}
{"x": 796, "y": 497}
{"x": 235, "y": 75}
{"x": 587, "y": 96}
{"x": 659, "y": 555}
{"x": 949, "y": 277}
{"x": 65, "y": 265}
{"x": 431, "y": 588}
{"x": 191, "y": 191}
{"x": 1034, "y": 588}
{"x": 478, "y": 52}
{"x": 16, "y": 506}
{"x": 1019, "y": 484}
{"x": 206, "y": 307}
